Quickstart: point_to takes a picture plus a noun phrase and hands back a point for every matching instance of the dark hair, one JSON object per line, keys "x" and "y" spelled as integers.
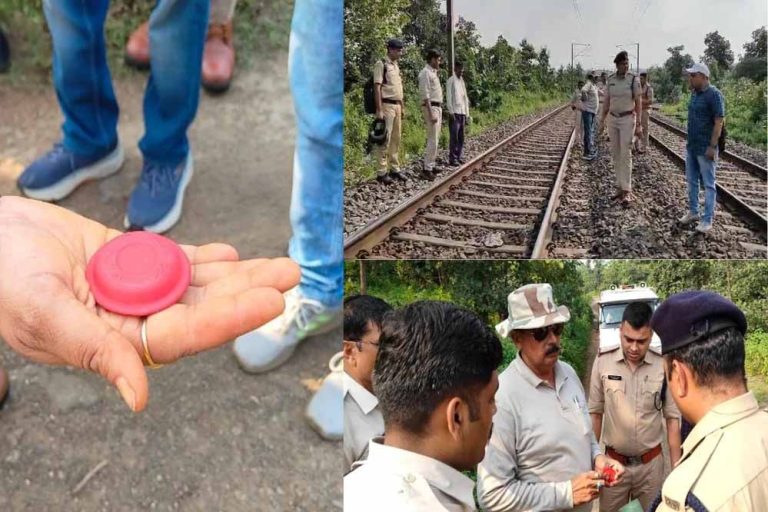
{"x": 637, "y": 314}
{"x": 359, "y": 310}
{"x": 458, "y": 64}
{"x": 714, "y": 358}
{"x": 581, "y": 83}
{"x": 430, "y": 351}
{"x": 432, "y": 53}
{"x": 621, "y": 56}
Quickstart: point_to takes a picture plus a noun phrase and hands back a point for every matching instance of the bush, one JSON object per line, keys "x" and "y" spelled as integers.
{"x": 757, "y": 353}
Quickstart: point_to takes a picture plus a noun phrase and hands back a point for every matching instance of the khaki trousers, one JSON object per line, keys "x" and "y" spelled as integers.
{"x": 433, "y": 134}
{"x": 579, "y": 127}
{"x": 621, "y": 131}
{"x": 644, "y": 125}
{"x": 388, "y": 153}
{"x": 641, "y": 482}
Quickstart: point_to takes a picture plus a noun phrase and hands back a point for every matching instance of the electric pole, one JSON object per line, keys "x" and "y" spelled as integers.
{"x": 450, "y": 37}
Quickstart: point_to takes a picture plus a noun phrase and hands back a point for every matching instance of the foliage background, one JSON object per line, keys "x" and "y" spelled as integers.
{"x": 483, "y": 286}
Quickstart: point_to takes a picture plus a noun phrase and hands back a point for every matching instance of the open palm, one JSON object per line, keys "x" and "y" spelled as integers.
{"x": 48, "y": 313}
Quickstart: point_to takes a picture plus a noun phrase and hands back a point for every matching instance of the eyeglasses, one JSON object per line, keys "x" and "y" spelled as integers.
{"x": 541, "y": 333}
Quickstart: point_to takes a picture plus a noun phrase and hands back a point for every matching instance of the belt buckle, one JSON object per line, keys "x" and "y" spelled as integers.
{"x": 634, "y": 460}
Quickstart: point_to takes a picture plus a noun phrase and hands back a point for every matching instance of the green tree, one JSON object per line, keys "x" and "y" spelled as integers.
{"x": 754, "y": 63}
{"x": 718, "y": 50}
{"x": 757, "y": 47}
{"x": 676, "y": 64}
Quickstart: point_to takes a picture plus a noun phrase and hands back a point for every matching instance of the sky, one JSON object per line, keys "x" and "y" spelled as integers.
{"x": 603, "y": 24}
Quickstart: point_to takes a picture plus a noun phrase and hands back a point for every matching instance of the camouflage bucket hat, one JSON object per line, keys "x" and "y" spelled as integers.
{"x": 532, "y": 306}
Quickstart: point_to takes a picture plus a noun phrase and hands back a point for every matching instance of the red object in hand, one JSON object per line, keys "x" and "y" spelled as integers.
{"x": 609, "y": 474}
{"x": 138, "y": 274}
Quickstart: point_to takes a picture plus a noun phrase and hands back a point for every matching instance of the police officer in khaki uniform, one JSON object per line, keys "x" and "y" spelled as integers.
{"x": 646, "y": 92}
{"x": 627, "y": 407}
{"x": 724, "y": 466}
{"x": 622, "y": 102}
{"x": 390, "y": 106}
{"x": 431, "y": 96}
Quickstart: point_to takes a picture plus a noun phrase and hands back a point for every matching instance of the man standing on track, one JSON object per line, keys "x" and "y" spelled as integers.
{"x": 390, "y": 106}
{"x": 706, "y": 112}
{"x": 458, "y": 112}
{"x": 431, "y": 96}
{"x": 623, "y": 103}
{"x": 589, "y": 104}
{"x": 576, "y": 107}
{"x": 647, "y": 99}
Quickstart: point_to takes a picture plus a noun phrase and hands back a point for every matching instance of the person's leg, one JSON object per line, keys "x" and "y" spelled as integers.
{"x": 615, "y": 497}
{"x": 176, "y": 33}
{"x": 436, "y": 129}
{"x": 587, "y": 121}
{"x": 81, "y": 75}
{"x": 648, "y": 482}
{"x": 431, "y": 146}
{"x": 707, "y": 170}
{"x": 646, "y": 134}
{"x": 452, "y": 138}
{"x": 397, "y": 131}
{"x": 316, "y": 72}
{"x": 460, "y": 136}
{"x": 626, "y": 132}
{"x": 579, "y": 127}
{"x": 89, "y": 147}
{"x": 219, "y": 52}
{"x": 692, "y": 176}
{"x": 613, "y": 139}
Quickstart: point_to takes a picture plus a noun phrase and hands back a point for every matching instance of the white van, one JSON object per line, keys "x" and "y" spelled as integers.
{"x": 611, "y": 308}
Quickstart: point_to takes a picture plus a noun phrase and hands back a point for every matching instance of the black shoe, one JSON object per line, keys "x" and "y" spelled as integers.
{"x": 453, "y": 164}
{"x": 427, "y": 175}
{"x": 5, "y": 53}
{"x": 386, "y": 180}
{"x": 461, "y": 161}
{"x": 397, "y": 176}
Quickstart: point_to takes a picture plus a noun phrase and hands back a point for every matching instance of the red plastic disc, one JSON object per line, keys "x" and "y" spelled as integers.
{"x": 138, "y": 273}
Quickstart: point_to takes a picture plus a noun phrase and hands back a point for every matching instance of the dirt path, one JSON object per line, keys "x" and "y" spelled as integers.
{"x": 212, "y": 437}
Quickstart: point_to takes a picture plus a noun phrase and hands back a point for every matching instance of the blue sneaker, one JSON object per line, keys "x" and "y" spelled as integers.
{"x": 155, "y": 203}
{"x": 56, "y": 174}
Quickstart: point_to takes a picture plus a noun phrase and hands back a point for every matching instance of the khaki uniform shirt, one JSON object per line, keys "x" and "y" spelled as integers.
{"x": 393, "y": 88}
{"x": 724, "y": 462}
{"x": 542, "y": 437}
{"x": 601, "y": 91}
{"x": 429, "y": 85}
{"x": 630, "y": 402}
{"x": 647, "y": 93}
{"x": 456, "y": 93}
{"x": 362, "y": 420}
{"x": 392, "y": 480}
{"x": 620, "y": 92}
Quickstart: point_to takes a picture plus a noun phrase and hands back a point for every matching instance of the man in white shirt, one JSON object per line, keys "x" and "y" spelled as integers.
{"x": 431, "y": 96}
{"x": 543, "y": 454}
{"x": 363, "y": 315}
{"x": 435, "y": 377}
{"x": 458, "y": 112}
{"x": 589, "y": 106}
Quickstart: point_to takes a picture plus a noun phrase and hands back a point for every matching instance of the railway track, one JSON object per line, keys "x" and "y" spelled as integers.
{"x": 499, "y": 204}
{"x": 741, "y": 183}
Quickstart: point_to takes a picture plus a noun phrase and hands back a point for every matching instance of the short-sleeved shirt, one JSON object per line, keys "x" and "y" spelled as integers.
{"x": 704, "y": 107}
{"x": 542, "y": 437}
{"x": 724, "y": 462}
{"x": 429, "y": 85}
{"x": 622, "y": 92}
{"x": 393, "y": 479}
{"x": 392, "y": 87}
{"x": 630, "y": 401}
{"x": 647, "y": 96}
{"x": 362, "y": 420}
{"x": 590, "y": 101}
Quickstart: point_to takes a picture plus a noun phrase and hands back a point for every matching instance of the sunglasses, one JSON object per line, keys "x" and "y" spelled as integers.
{"x": 541, "y": 333}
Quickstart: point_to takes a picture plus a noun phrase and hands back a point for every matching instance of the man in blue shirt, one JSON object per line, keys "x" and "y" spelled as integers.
{"x": 706, "y": 112}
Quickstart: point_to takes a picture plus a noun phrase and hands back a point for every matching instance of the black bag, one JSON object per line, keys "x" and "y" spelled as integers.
{"x": 369, "y": 92}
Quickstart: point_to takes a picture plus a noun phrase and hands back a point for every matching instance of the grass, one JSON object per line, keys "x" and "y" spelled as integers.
{"x": 260, "y": 26}
{"x": 358, "y": 167}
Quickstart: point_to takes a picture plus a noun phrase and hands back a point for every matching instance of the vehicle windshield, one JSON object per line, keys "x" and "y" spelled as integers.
{"x": 610, "y": 314}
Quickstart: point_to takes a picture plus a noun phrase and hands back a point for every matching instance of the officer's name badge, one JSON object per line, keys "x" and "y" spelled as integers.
{"x": 671, "y": 503}
{"x": 614, "y": 377}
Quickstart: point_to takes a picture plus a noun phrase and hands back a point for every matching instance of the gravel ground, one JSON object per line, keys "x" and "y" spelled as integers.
{"x": 366, "y": 201}
{"x": 589, "y": 220}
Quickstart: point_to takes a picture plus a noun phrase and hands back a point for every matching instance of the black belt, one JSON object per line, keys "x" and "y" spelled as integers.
{"x": 393, "y": 102}
{"x": 623, "y": 114}
{"x": 435, "y": 103}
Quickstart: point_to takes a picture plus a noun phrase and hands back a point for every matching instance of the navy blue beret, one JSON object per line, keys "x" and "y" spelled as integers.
{"x": 395, "y": 43}
{"x": 690, "y": 316}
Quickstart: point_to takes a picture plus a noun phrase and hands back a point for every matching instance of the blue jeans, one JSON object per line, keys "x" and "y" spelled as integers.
{"x": 84, "y": 86}
{"x": 589, "y": 132}
{"x": 316, "y": 71}
{"x": 698, "y": 168}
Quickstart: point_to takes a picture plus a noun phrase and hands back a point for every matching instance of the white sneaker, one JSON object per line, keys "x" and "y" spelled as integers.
{"x": 273, "y": 343}
{"x": 688, "y": 218}
{"x": 703, "y": 227}
{"x": 325, "y": 412}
